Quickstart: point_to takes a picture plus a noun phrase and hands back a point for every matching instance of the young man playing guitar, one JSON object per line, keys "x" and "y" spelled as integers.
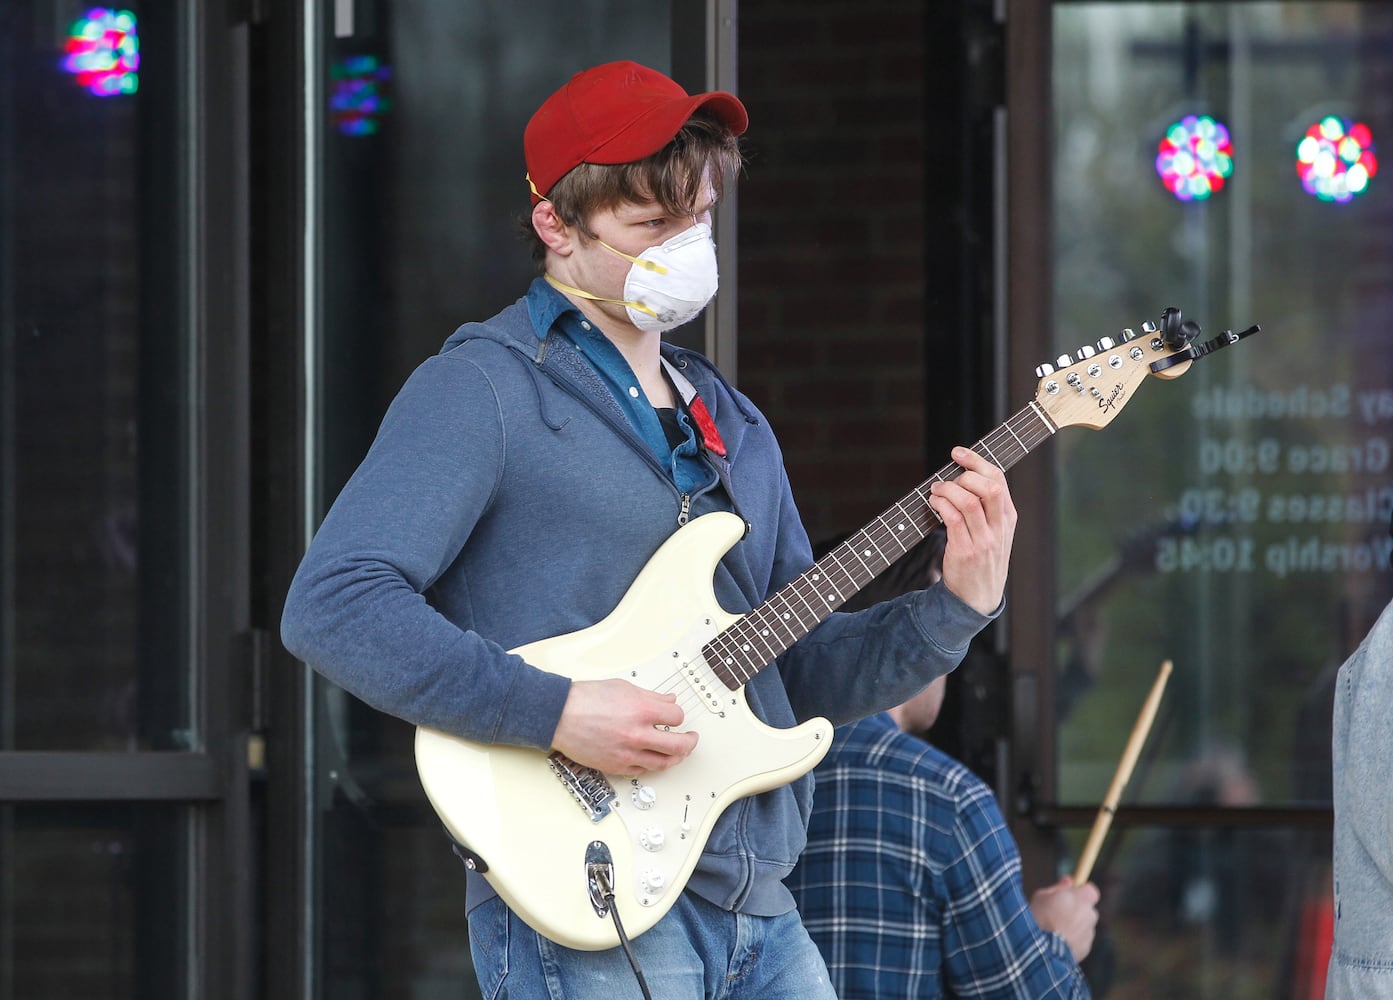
{"x": 520, "y": 483}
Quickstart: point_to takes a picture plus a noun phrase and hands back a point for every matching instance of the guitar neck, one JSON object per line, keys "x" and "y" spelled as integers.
{"x": 750, "y": 644}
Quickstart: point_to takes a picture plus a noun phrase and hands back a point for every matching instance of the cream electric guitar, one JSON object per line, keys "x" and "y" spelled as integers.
{"x": 563, "y": 843}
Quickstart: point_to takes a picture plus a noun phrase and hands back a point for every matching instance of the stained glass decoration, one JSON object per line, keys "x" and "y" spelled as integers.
{"x": 103, "y": 52}
{"x": 357, "y": 96}
{"x": 1195, "y": 157}
{"x": 1335, "y": 159}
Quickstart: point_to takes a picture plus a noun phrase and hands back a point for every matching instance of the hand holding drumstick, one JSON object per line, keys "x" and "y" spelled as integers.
{"x": 1120, "y": 778}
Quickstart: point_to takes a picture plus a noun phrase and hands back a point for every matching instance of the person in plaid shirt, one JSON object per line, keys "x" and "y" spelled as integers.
{"x": 911, "y": 883}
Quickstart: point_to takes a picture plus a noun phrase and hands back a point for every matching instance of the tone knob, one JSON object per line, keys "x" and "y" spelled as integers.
{"x": 651, "y": 838}
{"x": 651, "y": 880}
{"x": 644, "y": 796}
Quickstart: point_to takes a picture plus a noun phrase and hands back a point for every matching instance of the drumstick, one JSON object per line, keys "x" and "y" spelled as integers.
{"x": 1124, "y": 772}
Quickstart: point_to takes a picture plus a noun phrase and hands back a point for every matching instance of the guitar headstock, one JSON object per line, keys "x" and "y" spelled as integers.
{"x": 1092, "y": 388}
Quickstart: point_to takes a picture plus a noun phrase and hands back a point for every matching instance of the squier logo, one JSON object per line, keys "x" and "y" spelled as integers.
{"x": 1106, "y": 403}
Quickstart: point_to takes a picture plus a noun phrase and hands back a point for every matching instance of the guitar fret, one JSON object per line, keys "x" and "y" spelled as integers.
{"x": 726, "y": 669}
{"x": 758, "y": 632}
{"x": 769, "y": 632}
{"x": 1043, "y": 419}
{"x": 782, "y": 618}
{"x": 880, "y": 553}
{"x": 852, "y": 574}
{"x": 1002, "y": 443}
{"x": 796, "y": 590}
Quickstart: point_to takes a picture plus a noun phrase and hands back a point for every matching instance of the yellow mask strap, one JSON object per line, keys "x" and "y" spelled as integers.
{"x": 640, "y": 306}
{"x": 647, "y": 265}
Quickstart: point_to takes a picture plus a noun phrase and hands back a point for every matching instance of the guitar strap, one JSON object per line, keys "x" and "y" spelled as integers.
{"x": 710, "y": 438}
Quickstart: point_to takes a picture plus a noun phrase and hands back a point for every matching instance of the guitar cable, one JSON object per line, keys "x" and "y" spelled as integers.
{"x": 601, "y": 875}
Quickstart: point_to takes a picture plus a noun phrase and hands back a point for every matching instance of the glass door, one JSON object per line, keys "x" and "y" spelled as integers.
{"x": 1221, "y": 158}
{"x": 122, "y": 819}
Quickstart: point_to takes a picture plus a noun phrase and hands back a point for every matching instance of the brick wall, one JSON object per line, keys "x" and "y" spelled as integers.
{"x": 831, "y": 247}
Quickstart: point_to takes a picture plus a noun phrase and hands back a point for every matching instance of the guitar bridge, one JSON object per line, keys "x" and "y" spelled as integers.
{"x": 589, "y": 787}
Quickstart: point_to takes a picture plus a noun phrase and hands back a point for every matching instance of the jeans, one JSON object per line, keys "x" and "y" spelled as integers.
{"x": 697, "y": 951}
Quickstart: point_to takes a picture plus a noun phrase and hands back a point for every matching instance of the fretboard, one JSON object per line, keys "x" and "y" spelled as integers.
{"x": 750, "y": 644}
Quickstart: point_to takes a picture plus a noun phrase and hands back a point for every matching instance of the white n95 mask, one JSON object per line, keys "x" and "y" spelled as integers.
{"x": 667, "y": 284}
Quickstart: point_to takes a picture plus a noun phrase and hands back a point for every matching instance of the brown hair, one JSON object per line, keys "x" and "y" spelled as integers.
{"x": 671, "y": 177}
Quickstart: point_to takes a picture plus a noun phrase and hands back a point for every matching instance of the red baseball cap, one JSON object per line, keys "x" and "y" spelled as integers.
{"x": 618, "y": 112}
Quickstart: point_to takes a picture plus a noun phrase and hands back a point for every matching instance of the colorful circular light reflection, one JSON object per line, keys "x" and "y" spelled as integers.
{"x": 103, "y": 52}
{"x": 1335, "y": 159}
{"x": 356, "y": 98}
{"x": 1195, "y": 157}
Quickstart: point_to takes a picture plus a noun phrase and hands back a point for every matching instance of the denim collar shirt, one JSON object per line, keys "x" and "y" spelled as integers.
{"x": 911, "y": 884}
{"x": 681, "y": 457}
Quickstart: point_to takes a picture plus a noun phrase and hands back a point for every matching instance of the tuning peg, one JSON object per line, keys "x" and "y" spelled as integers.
{"x": 1086, "y": 352}
{"x": 1127, "y": 334}
{"x": 1043, "y": 370}
{"x": 1063, "y": 361}
{"x": 1106, "y": 344}
{"x": 1148, "y": 327}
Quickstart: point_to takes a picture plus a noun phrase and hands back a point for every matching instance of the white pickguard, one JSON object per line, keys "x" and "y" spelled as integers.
{"x": 509, "y": 808}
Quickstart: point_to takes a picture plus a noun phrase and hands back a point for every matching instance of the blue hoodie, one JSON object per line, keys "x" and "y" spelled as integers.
{"x": 507, "y": 499}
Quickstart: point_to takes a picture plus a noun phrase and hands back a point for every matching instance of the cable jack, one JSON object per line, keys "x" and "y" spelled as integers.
{"x": 599, "y": 877}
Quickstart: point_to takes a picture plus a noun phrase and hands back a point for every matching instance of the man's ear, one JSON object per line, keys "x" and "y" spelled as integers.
{"x": 550, "y": 229}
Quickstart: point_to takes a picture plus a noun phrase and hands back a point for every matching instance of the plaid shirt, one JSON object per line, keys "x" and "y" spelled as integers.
{"x": 911, "y": 883}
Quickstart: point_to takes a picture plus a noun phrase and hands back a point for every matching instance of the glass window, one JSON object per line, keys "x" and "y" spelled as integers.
{"x": 1211, "y": 912}
{"x": 1247, "y": 540}
{"x": 92, "y": 393}
{"x": 92, "y": 902}
{"x": 1220, "y": 158}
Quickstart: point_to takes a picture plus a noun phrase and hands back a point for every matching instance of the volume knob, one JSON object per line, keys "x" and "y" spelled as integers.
{"x": 644, "y": 796}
